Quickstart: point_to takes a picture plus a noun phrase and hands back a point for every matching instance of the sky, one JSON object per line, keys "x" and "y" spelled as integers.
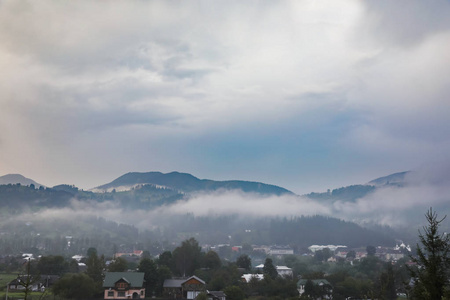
{"x": 307, "y": 95}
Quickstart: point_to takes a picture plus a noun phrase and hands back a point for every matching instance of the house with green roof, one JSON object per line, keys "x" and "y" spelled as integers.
{"x": 124, "y": 285}
{"x": 315, "y": 288}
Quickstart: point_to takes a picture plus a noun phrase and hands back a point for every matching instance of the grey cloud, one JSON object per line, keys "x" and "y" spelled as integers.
{"x": 425, "y": 187}
{"x": 406, "y": 23}
{"x": 162, "y": 76}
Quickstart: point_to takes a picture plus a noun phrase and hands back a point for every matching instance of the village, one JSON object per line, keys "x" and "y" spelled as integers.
{"x": 194, "y": 271}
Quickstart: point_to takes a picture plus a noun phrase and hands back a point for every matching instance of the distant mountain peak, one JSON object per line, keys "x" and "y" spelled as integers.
{"x": 185, "y": 182}
{"x": 393, "y": 179}
{"x": 17, "y": 178}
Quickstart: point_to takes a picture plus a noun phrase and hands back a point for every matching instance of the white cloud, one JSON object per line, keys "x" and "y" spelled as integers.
{"x": 83, "y": 77}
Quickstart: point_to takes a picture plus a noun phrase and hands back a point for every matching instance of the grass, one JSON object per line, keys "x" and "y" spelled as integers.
{"x": 5, "y": 278}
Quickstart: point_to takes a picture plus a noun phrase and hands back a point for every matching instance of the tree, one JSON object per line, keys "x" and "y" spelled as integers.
{"x": 351, "y": 254}
{"x": 91, "y": 251}
{"x": 212, "y": 260}
{"x": 166, "y": 259}
{"x": 27, "y": 281}
{"x": 431, "y": 276}
{"x": 118, "y": 265}
{"x": 187, "y": 257}
{"x": 163, "y": 274}
{"x": 310, "y": 289}
{"x": 234, "y": 292}
{"x": 269, "y": 269}
{"x": 387, "y": 284}
{"x": 94, "y": 268}
{"x": 202, "y": 296}
{"x": 52, "y": 265}
{"x": 148, "y": 267}
{"x": 244, "y": 261}
{"x": 75, "y": 286}
{"x": 371, "y": 250}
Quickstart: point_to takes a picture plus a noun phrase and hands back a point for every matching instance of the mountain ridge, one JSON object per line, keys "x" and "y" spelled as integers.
{"x": 186, "y": 182}
{"x": 17, "y": 178}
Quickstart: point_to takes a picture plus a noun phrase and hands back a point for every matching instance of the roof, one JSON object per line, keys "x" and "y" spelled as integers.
{"x": 42, "y": 279}
{"x": 218, "y": 294}
{"x": 135, "y": 279}
{"x": 248, "y": 277}
{"x": 177, "y": 282}
{"x": 261, "y": 266}
{"x": 315, "y": 281}
{"x": 283, "y": 268}
{"x": 173, "y": 283}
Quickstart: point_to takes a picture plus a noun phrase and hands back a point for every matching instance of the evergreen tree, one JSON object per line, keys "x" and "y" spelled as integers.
{"x": 148, "y": 267}
{"x": 433, "y": 261}
{"x": 269, "y": 269}
{"x": 387, "y": 284}
{"x": 94, "y": 270}
{"x": 244, "y": 261}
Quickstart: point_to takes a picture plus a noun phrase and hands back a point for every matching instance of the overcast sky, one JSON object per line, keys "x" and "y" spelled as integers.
{"x": 307, "y": 95}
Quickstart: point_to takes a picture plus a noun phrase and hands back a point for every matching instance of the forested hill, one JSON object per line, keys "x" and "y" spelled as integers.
{"x": 17, "y": 178}
{"x": 353, "y": 192}
{"x": 188, "y": 183}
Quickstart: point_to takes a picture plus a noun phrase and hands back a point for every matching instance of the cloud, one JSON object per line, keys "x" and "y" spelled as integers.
{"x": 406, "y": 23}
{"x": 93, "y": 90}
{"x": 397, "y": 206}
{"x": 425, "y": 187}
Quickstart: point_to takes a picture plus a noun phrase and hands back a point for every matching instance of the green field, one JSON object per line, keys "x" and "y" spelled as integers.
{"x": 4, "y": 279}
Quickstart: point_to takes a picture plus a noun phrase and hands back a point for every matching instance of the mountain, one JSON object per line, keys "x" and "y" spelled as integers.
{"x": 353, "y": 192}
{"x": 17, "y": 178}
{"x": 186, "y": 183}
{"x": 397, "y": 179}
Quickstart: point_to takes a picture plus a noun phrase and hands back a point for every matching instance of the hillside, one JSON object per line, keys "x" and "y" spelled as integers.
{"x": 146, "y": 200}
{"x": 397, "y": 179}
{"x": 16, "y": 197}
{"x": 353, "y": 192}
{"x": 187, "y": 183}
{"x": 17, "y": 178}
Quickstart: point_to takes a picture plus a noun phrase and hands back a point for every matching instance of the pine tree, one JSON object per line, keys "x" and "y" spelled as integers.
{"x": 433, "y": 261}
{"x": 269, "y": 269}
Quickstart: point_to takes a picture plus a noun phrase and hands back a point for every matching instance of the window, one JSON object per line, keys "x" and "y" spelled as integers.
{"x": 121, "y": 285}
{"x": 120, "y": 294}
{"x": 111, "y": 294}
{"x": 192, "y": 294}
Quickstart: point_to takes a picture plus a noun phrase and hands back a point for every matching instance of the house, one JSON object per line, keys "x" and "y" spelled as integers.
{"x": 282, "y": 271}
{"x": 216, "y": 295}
{"x": 137, "y": 253}
{"x": 279, "y": 251}
{"x": 124, "y": 285}
{"x": 248, "y": 277}
{"x": 322, "y": 284}
{"x": 36, "y": 283}
{"x": 183, "y": 288}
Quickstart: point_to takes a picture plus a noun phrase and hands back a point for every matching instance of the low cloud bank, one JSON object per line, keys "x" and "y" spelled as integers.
{"x": 428, "y": 186}
{"x": 390, "y": 205}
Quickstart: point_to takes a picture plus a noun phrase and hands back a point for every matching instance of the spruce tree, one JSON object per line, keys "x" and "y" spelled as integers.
{"x": 269, "y": 269}
{"x": 431, "y": 276}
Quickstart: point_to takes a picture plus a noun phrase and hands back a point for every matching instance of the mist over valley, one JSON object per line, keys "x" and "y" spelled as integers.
{"x": 164, "y": 209}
